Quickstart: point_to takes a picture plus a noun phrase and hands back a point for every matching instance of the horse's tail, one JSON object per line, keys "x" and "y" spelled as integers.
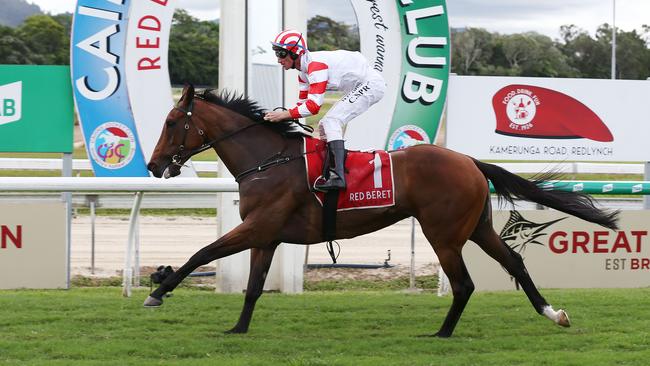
{"x": 510, "y": 186}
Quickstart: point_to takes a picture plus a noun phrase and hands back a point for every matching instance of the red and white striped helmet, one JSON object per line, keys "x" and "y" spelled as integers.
{"x": 292, "y": 41}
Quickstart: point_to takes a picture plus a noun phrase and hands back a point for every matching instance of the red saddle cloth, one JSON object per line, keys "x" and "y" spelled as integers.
{"x": 369, "y": 176}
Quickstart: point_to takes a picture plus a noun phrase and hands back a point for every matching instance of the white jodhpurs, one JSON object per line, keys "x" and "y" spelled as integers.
{"x": 355, "y": 102}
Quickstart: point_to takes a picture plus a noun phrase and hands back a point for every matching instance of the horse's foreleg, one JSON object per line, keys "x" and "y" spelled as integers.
{"x": 235, "y": 241}
{"x": 260, "y": 263}
{"x": 461, "y": 285}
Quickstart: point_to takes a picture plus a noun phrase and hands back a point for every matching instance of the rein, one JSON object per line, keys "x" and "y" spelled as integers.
{"x": 268, "y": 164}
{"x": 271, "y": 162}
{"x": 176, "y": 159}
{"x": 275, "y": 160}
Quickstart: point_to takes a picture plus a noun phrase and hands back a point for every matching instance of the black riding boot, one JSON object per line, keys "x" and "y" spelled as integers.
{"x": 337, "y": 167}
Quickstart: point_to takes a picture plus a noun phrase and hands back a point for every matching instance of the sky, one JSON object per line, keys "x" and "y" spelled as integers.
{"x": 503, "y": 16}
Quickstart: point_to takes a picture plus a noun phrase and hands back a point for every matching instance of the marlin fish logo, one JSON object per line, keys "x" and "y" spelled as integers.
{"x": 519, "y": 232}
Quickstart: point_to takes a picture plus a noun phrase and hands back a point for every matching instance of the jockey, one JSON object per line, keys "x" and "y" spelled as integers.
{"x": 340, "y": 70}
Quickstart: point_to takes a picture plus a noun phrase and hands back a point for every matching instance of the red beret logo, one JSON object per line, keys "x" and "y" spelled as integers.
{"x": 536, "y": 112}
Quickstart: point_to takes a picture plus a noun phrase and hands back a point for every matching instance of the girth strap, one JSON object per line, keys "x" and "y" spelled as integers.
{"x": 329, "y": 220}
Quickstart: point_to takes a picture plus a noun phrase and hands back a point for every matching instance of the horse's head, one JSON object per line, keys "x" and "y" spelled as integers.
{"x": 180, "y": 138}
{"x": 215, "y": 120}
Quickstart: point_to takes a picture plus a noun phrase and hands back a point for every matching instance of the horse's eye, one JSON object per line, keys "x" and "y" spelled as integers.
{"x": 170, "y": 124}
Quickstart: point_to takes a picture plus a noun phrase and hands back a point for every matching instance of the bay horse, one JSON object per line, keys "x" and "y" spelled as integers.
{"x": 447, "y": 192}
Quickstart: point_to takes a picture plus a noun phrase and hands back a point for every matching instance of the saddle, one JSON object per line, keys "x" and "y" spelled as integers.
{"x": 369, "y": 177}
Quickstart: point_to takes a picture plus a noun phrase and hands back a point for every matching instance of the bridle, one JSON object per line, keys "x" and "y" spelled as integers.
{"x": 207, "y": 144}
{"x": 275, "y": 160}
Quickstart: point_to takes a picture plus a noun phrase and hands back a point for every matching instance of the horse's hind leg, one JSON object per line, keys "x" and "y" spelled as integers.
{"x": 461, "y": 284}
{"x": 447, "y": 238}
{"x": 486, "y": 238}
{"x": 260, "y": 263}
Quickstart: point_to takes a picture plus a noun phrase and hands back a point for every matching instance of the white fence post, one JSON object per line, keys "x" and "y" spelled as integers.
{"x": 646, "y": 177}
{"x": 127, "y": 274}
{"x": 443, "y": 283}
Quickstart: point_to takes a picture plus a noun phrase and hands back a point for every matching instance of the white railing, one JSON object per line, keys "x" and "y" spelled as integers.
{"x": 212, "y": 166}
{"x": 139, "y": 185}
{"x": 77, "y": 164}
{"x": 119, "y": 184}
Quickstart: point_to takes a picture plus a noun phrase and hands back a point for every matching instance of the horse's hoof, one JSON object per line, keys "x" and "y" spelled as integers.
{"x": 431, "y": 335}
{"x": 442, "y": 335}
{"x": 236, "y": 330}
{"x": 152, "y": 302}
{"x": 563, "y": 319}
{"x": 437, "y": 334}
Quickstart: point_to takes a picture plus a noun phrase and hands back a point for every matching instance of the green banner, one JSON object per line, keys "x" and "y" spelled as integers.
{"x": 425, "y": 73}
{"x": 36, "y": 109}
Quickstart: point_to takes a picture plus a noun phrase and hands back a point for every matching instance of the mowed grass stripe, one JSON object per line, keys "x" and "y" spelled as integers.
{"x": 96, "y": 326}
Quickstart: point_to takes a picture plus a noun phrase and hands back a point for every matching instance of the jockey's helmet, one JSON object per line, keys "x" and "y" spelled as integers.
{"x": 289, "y": 40}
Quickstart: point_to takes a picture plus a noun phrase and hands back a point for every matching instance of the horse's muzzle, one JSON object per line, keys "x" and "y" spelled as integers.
{"x": 166, "y": 171}
{"x": 155, "y": 170}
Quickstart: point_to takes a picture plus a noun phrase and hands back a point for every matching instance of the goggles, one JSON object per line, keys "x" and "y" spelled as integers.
{"x": 280, "y": 52}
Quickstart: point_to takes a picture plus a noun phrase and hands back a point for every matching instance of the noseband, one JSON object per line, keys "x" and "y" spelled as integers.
{"x": 177, "y": 158}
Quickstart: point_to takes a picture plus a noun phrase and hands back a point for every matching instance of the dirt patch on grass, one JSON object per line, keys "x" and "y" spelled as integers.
{"x": 320, "y": 279}
{"x": 379, "y": 274}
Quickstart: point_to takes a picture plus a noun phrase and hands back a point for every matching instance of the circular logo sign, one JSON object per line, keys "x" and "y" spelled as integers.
{"x": 521, "y": 109}
{"x": 112, "y": 145}
{"x": 407, "y": 135}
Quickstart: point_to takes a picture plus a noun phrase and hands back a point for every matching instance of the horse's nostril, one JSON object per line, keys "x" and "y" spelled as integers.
{"x": 153, "y": 168}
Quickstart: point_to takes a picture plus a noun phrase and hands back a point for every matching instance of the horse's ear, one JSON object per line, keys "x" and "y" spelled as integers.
{"x": 187, "y": 95}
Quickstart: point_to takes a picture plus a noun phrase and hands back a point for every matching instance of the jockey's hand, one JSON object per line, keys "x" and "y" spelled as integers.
{"x": 277, "y": 116}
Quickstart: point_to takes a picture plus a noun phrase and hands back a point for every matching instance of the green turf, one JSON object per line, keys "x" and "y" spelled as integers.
{"x": 96, "y": 326}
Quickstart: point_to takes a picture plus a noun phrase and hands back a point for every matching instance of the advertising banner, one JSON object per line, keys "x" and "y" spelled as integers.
{"x": 33, "y": 246}
{"x": 408, "y": 43}
{"x": 147, "y": 72}
{"x": 507, "y": 118}
{"x": 100, "y": 91}
{"x": 561, "y": 251}
{"x": 36, "y": 110}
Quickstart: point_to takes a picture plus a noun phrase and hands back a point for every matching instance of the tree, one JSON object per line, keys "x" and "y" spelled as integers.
{"x": 546, "y": 59}
{"x": 13, "y": 50}
{"x": 518, "y": 49}
{"x": 325, "y": 34}
{"x": 47, "y": 38}
{"x": 471, "y": 48}
{"x": 193, "y": 50}
{"x": 592, "y": 57}
{"x": 588, "y": 56}
{"x": 632, "y": 56}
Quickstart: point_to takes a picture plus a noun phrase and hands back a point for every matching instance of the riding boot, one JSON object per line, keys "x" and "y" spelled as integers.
{"x": 336, "y": 178}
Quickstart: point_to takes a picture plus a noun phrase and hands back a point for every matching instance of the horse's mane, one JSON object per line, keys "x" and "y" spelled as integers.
{"x": 246, "y": 107}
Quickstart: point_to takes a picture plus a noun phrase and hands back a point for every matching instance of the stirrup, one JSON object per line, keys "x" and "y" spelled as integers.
{"x": 334, "y": 182}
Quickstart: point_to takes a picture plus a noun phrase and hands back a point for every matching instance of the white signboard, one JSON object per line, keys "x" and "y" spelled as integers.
{"x": 561, "y": 251}
{"x": 508, "y": 118}
{"x": 33, "y": 246}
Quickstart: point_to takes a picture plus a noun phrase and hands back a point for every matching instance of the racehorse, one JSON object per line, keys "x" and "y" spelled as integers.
{"x": 447, "y": 192}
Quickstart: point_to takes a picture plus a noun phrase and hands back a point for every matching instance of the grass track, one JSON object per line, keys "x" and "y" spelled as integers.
{"x": 96, "y": 326}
